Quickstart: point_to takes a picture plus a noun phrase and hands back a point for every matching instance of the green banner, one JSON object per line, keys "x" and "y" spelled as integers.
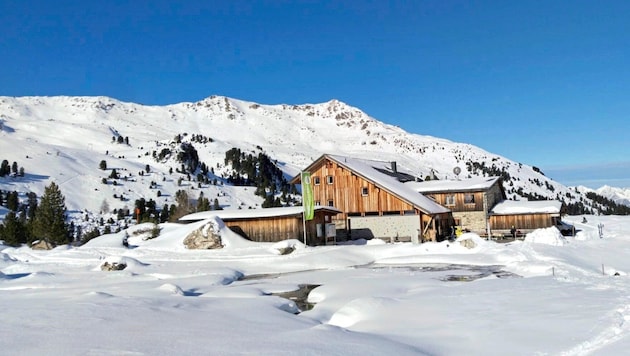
{"x": 307, "y": 196}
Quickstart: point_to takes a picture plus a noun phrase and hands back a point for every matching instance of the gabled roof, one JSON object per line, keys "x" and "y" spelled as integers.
{"x": 515, "y": 207}
{"x": 240, "y": 214}
{"x": 477, "y": 184}
{"x": 380, "y": 173}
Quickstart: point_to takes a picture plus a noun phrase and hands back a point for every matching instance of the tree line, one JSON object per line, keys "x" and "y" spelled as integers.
{"x": 263, "y": 173}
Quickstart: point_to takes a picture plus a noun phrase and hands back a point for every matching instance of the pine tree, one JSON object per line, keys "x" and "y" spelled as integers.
{"x": 12, "y": 230}
{"x": 13, "y": 203}
{"x": 32, "y": 205}
{"x": 203, "y": 204}
{"x": 4, "y": 168}
{"x": 164, "y": 214}
{"x": 50, "y": 216}
{"x": 103, "y": 165}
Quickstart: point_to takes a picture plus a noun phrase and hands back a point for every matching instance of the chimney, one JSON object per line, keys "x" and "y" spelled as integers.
{"x": 394, "y": 169}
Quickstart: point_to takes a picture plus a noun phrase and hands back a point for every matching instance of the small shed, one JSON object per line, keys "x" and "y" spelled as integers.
{"x": 525, "y": 216}
{"x": 274, "y": 224}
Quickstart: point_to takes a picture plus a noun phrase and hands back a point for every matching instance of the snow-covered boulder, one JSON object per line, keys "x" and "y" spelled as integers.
{"x": 114, "y": 266}
{"x": 205, "y": 237}
{"x": 42, "y": 245}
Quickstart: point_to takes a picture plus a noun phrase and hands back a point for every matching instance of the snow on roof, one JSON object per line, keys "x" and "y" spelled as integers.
{"x": 252, "y": 213}
{"x": 374, "y": 171}
{"x": 472, "y": 184}
{"x": 511, "y": 207}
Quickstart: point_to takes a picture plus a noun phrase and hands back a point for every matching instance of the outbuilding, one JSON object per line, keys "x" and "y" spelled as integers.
{"x": 526, "y": 216}
{"x": 275, "y": 224}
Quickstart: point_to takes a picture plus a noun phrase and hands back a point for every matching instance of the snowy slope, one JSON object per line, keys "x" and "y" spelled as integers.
{"x": 63, "y": 139}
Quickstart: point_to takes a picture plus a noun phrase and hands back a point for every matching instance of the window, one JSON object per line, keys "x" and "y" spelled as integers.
{"x": 469, "y": 198}
{"x": 450, "y": 199}
{"x": 331, "y": 203}
{"x": 316, "y": 180}
{"x": 318, "y": 203}
{"x": 329, "y": 179}
{"x": 364, "y": 191}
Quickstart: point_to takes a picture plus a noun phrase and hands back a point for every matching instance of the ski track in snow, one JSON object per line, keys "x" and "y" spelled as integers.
{"x": 618, "y": 329}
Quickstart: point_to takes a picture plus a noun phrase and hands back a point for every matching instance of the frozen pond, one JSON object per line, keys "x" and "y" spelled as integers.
{"x": 443, "y": 272}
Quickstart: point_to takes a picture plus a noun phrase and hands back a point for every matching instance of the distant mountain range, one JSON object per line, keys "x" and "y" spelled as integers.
{"x": 66, "y": 139}
{"x": 618, "y": 195}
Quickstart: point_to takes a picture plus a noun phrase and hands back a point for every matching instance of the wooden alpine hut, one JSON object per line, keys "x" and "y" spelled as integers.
{"x": 373, "y": 200}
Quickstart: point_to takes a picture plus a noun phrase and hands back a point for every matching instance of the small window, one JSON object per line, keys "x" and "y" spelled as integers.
{"x": 469, "y": 199}
{"x": 329, "y": 179}
{"x": 364, "y": 191}
{"x": 450, "y": 199}
{"x": 318, "y": 203}
{"x": 316, "y": 180}
{"x": 331, "y": 203}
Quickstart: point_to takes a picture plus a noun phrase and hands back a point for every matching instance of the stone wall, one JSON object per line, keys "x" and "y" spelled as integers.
{"x": 387, "y": 227}
{"x": 474, "y": 221}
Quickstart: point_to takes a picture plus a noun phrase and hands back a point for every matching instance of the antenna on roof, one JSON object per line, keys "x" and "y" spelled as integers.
{"x": 457, "y": 171}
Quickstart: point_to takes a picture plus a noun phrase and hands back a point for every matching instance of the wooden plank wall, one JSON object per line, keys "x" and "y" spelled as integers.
{"x": 268, "y": 229}
{"x": 440, "y": 198}
{"x": 524, "y": 221}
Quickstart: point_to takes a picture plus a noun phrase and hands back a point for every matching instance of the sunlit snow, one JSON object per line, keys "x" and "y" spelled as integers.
{"x": 548, "y": 294}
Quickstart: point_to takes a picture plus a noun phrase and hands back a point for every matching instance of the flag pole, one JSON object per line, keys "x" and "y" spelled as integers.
{"x": 307, "y": 200}
{"x": 303, "y": 207}
{"x": 304, "y": 225}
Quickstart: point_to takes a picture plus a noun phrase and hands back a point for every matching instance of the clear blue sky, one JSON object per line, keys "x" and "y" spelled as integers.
{"x": 545, "y": 83}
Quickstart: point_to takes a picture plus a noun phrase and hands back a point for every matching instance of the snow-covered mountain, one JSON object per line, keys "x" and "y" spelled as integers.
{"x": 620, "y": 196}
{"x": 65, "y": 139}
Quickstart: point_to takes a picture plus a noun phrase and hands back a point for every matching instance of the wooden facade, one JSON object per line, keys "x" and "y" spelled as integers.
{"x": 278, "y": 228}
{"x": 466, "y": 199}
{"x": 352, "y": 194}
{"x": 469, "y": 200}
{"x": 337, "y": 185}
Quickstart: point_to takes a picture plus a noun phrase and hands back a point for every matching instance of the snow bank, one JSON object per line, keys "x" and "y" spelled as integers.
{"x": 547, "y": 236}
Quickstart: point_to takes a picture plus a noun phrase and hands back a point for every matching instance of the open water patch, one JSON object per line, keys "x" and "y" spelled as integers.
{"x": 299, "y": 296}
